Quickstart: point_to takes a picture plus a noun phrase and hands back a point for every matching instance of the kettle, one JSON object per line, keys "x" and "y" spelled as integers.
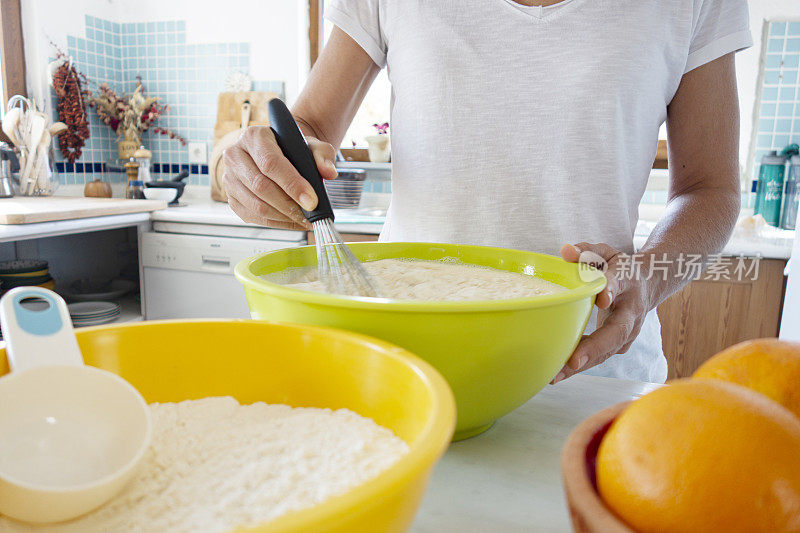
{"x": 8, "y": 165}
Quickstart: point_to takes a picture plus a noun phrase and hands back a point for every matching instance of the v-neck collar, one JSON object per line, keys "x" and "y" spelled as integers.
{"x": 544, "y": 13}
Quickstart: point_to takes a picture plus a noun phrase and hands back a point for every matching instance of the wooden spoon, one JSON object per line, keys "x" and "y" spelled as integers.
{"x": 37, "y": 130}
{"x": 39, "y": 180}
{"x": 10, "y": 124}
{"x": 57, "y": 128}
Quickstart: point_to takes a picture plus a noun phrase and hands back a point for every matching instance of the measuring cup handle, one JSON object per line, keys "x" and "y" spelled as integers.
{"x": 37, "y": 337}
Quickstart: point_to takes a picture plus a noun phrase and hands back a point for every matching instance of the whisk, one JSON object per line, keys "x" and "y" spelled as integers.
{"x": 339, "y": 269}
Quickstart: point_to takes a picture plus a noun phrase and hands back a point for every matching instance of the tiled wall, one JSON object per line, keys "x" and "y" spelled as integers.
{"x": 779, "y": 111}
{"x": 187, "y": 76}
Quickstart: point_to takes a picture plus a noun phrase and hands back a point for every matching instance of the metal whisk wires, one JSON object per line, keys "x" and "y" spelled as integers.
{"x": 338, "y": 268}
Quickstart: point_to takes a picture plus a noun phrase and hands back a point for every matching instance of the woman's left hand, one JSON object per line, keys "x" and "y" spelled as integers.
{"x": 622, "y": 305}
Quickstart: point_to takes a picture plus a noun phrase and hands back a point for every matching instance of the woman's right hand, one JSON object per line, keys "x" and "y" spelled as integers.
{"x": 262, "y": 185}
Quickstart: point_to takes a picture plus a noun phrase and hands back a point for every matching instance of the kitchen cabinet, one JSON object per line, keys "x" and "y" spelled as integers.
{"x": 709, "y": 315}
{"x": 96, "y": 248}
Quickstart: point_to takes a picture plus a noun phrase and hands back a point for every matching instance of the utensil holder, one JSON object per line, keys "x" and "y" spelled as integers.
{"x": 42, "y": 180}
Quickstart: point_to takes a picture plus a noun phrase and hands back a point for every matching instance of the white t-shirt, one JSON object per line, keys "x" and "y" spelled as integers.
{"x": 530, "y": 128}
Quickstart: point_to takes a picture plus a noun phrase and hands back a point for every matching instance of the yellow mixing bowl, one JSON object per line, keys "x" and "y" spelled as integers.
{"x": 495, "y": 354}
{"x": 302, "y": 366}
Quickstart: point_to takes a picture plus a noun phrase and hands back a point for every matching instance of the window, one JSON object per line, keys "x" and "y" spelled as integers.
{"x": 375, "y": 107}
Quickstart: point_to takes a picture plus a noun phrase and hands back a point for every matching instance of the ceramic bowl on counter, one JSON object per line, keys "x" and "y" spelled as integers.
{"x": 301, "y": 366}
{"x": 587, "y": 510}
{"x": 164, "y": 194}
{"x": 495, "y": 354}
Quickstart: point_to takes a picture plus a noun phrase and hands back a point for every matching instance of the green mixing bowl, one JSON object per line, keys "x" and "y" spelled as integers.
{"x": 495, "y": 354}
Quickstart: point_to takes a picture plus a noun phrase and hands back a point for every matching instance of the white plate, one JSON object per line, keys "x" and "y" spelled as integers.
{"x": 95, "y": 318}
{"x": 109, "y": 311}
{"x": 95, "y": 322}
{"x": 91, "y": 309}
{"x": 166, "y": 194}
{"x": 90, "y": 290}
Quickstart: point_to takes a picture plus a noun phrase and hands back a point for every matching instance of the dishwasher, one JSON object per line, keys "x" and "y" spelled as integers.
{"x": 187, "y": 269}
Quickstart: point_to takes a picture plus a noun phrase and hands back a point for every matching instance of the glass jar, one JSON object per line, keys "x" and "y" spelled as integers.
{"x": 143, "y": 157}
{"x": 135, "y": 190}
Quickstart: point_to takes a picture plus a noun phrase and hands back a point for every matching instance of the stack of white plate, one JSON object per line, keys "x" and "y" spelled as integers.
{"x": 93, "y": 313}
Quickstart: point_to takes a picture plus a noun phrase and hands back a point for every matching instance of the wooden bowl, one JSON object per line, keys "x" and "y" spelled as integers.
{"x": 587, "y": 510}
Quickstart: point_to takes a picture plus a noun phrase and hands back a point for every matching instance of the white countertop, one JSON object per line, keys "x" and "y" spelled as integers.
{"x": 769, "y": 243}
{"x": 509, "y": 478}
{"x": 199, "y": 209}
{"x": 15, "y": 232}
{"x": 206, "y": 211}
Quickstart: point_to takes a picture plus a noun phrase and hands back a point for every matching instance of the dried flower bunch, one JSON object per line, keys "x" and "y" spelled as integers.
{"x": 68, "y": 85}
{"x": 382, "y": 129}
{"x": 131, "y": 115}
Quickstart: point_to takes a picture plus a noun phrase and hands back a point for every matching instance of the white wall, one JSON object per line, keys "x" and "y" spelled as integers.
{"x": 44, "y": 21}
{"x": 276, "y": 29}
{"x": 748, "y": 64}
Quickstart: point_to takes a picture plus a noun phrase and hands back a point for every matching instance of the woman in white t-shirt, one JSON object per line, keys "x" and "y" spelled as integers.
{"x": 530, "y": 126}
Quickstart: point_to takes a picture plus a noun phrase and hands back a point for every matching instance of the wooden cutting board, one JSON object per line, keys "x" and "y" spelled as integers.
{"x": 229, "y": 110}
{"x": 27, "y": 210}
{"x": 232, "y": 117}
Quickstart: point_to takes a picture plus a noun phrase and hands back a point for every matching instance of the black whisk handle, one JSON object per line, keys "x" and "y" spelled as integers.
{"x": 295, "y": 148}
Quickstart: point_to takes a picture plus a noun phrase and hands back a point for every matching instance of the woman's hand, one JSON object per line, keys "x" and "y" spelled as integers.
{"x": 622, "y": 305}
{"x": 262, "y": 185}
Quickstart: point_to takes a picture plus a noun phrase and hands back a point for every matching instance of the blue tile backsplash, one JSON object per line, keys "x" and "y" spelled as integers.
{"x": 779, "y": 111}
{"x": 187, "y": 76}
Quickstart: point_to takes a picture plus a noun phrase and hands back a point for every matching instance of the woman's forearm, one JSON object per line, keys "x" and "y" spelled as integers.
{"x": 703, "y": 133}
{"x": 335, "y": 89}
{"x": 696, "y": 225}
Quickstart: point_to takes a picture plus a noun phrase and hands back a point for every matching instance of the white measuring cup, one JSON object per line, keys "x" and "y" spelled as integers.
{"x": 71, "y": 436}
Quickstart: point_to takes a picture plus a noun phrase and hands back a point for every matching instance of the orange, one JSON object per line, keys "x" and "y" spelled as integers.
{"x": 768, "y": 366}
{"x": 703, "y": 455}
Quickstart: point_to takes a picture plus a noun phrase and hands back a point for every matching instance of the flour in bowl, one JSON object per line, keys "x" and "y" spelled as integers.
{"x": 407, "y": 279}
{"x": 214, "y": 465}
